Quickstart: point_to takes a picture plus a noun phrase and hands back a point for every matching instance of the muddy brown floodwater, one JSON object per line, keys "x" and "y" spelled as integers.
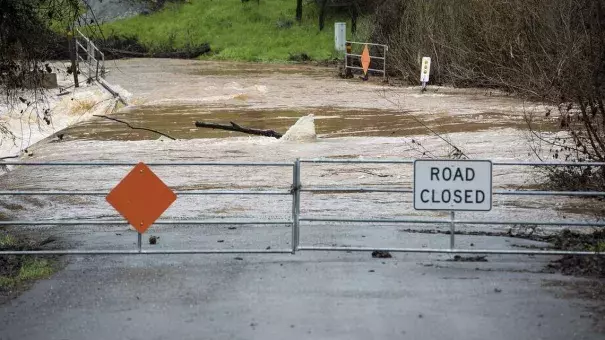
{"x": 169, "y": 95}
{"x": 354, "y": 119}
{"x": 320, "y": 295}
{"x": 178, "y": 121}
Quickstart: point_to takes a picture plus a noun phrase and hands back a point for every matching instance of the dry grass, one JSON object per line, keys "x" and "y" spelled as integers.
{"x": 81, "y": 106}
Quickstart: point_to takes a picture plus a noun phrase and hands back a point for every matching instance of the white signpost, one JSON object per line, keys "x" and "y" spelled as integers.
{"x": 453, "y": 185}
{"x": 340, "y": 36}
{"x": 425, "y": 71}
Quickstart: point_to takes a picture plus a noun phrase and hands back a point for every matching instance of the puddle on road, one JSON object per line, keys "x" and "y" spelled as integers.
{"x": 178, "y": 121}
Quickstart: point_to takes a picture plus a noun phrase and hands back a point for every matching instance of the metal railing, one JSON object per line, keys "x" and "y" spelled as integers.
{"x": 296, "y": 218}
{"x": 139, "y": 249}
{"x": 84, "y": 46}
{"x": 349, "y": 56}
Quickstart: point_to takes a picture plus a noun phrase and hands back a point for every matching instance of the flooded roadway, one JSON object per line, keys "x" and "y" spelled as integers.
{"x": 354, "y": 119}
{"x": 309, "y": 295}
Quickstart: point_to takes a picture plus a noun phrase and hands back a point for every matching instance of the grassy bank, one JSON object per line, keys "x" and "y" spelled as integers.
{"x": 18, "y": 272}
{"x": 234, "y": 30}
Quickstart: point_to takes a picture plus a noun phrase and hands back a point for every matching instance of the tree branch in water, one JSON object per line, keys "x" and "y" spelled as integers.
{"x": 134, "y": 127}
{"x": 237, "y": 128}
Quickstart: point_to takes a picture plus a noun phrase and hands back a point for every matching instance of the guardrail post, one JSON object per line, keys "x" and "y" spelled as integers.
{"x": 139, "y": 241}
{"x": 102, "y": 63}
{"x": 349, "y": 49}
{"x": 384, "y": 62}
{"x": 89, "y": 56}
{"x": 73, "y": 55}
{"x": 453, "y": 230}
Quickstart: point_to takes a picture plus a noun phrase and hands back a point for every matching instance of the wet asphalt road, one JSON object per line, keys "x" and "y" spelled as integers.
{"x": 303, "y": 296}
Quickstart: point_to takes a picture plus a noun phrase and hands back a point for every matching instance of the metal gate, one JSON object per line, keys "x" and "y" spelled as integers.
{"x": 351, "y": 57}
{"x": 298, "y": 220}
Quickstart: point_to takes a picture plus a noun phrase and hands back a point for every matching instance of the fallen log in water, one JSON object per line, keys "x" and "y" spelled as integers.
{"x": 238, "y": 128}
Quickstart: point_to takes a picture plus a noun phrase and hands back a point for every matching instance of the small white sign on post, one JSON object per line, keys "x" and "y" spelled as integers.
{"x": 340, "y": 36}
{"x": 425, "y": 71}
{"x": 453, "y": 185}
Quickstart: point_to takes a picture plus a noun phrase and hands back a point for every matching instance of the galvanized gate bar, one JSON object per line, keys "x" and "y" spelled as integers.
{"x": 144, "y": 251}
{"x": 160, "y": 222}
{"x": 357, "y": 161}
{"x": 447, "y": 221}
{"x": 411, "y": 161}
{"x": 370, "y": 220}
{"x": 361, "y": 68}
{"x": 359, "y": 55}
{"x": 555, "y": 223}
{"x": 452, "y": 251}
{"x": 178, "y": 192}
{"x": 495, "y": 192}
{"x": 355, "y": 190}
{"x": 514, "y": 163}
{"x": 363, "y": 43}
{"x": 266, "y": 164}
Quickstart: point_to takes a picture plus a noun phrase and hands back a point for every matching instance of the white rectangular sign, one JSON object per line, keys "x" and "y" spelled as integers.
{"x": 425, "y": 70}
{"x": 453, "y": 185}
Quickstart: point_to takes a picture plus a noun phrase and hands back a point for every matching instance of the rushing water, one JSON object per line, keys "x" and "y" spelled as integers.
{"x": 344, "y": 119}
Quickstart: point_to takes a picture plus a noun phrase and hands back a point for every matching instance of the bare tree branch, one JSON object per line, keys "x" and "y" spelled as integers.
{"x": 134, "y": 127}
{"x": 237, "y": 128}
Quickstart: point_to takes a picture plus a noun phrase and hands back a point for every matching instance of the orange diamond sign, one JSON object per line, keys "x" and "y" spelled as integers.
{"x": 365, "y": 59}
{"x": 141, "y": 197}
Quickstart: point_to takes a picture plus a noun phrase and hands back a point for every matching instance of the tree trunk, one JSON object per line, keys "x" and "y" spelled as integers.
{"x": 237, "y": 128}
{"x": 354, "y": 15}
{"x": 298, "y": 10}
{"x": 322, "y": 14}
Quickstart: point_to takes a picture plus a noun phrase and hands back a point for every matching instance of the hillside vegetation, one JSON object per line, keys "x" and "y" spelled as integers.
{"x": 235, "y": 31}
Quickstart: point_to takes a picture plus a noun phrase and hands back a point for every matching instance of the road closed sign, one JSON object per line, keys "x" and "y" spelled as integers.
{"x": 453, "y": 185}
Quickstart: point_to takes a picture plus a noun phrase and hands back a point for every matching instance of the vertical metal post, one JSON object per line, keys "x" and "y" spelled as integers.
{"x": 73, "y": 55}
{"x": 384, "y": 62}
{"x": 102, "y": 63}
{"x": 139, "y": 241}
{"x": 297, "y": 202}
{"x": 294, "y": 205}
{"x": 452, "y": 229}
{"x": 89, "y": 53}
{"x": 348, "y": 50}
